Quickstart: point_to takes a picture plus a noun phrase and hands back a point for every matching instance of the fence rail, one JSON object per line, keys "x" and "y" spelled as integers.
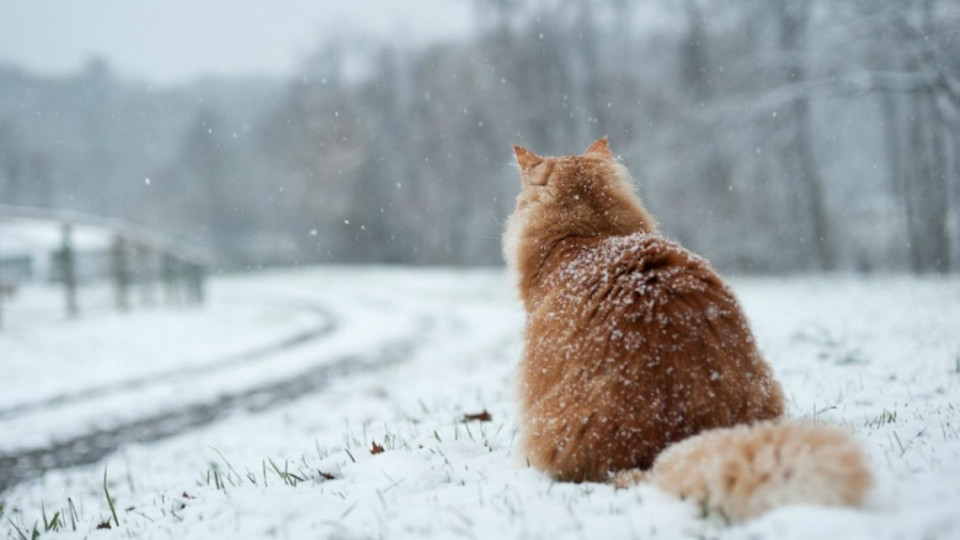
{"x": 136, "y": 255}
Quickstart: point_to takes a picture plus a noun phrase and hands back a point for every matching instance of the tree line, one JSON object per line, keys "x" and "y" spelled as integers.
{"x": 768, "y": 135}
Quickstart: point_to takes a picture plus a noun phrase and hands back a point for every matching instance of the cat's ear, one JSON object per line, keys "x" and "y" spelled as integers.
{"x": 600, "y": 146}
{"x": 525, "y": 158}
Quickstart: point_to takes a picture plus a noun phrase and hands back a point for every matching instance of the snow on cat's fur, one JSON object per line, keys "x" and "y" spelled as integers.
{"x": 634, "y": 344}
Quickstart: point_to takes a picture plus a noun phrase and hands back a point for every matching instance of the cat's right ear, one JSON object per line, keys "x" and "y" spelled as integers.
{"x": 525, "y": 158}
{"x": 600, "y": 146}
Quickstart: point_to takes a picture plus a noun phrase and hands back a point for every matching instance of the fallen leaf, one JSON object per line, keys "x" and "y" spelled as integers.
{"x": 478, "y": 417}
{"x": 376, "y": 448}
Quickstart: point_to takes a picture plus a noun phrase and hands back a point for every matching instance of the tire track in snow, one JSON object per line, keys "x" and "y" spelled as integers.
{"x": 325, "y": 327}
{"x": 93, "y": 446}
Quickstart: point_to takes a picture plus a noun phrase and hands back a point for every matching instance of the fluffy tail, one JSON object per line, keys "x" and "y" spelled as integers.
{"x": 743, "y": 471}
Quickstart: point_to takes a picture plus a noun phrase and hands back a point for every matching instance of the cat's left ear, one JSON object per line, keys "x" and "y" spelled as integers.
{"x": 525, "y": 158}
{"x": 600, "y": 146}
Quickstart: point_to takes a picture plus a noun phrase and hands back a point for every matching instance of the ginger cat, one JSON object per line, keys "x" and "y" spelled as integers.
{"x": 634, "y": 343}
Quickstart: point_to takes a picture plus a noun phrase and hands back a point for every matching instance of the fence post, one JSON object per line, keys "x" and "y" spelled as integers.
{"x": 146, "y": 268}
{"x": 3, "y": 292}
{"x": 68, "y": 267}
{"x": 196, "y": 283}
{"x": 169, "y": 274}
{"x": 121, "y": 273}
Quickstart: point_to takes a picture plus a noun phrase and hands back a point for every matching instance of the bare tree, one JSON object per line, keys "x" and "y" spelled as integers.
{"x": 793, "y": 19}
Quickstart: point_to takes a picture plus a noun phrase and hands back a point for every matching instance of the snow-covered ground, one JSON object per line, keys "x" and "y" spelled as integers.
{"x": 284, "y": 382}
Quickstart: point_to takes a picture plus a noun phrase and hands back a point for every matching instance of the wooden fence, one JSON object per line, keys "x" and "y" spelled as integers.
{"x": 136, "y": 257}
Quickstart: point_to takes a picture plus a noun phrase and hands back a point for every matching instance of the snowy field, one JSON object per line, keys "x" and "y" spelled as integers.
{"x": 263, "y": 414}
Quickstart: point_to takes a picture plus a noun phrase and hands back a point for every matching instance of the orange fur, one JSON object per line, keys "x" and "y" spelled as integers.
{"x": 744, "y": 471}
{"x": 632, "y": 342}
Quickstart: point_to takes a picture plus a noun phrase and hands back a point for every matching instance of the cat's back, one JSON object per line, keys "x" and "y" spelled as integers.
{"x": 635, "y": 278}
{"x": 636, "y": 344}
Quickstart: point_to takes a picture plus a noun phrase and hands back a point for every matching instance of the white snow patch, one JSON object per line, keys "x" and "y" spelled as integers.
{"x": 879, "y": 355}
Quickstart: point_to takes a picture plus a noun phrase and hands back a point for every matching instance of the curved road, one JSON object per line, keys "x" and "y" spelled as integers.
{"x": 25, "y": 464}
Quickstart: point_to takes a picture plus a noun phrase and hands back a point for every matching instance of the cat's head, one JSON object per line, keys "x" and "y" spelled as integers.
{"x": 586, "y": 195}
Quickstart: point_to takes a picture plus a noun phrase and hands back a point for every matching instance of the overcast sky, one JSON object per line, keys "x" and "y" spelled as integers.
{"x": 169, "y": 41}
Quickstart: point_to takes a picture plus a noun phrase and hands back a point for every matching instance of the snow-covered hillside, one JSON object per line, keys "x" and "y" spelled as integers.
{"x": 264, "y": 414}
